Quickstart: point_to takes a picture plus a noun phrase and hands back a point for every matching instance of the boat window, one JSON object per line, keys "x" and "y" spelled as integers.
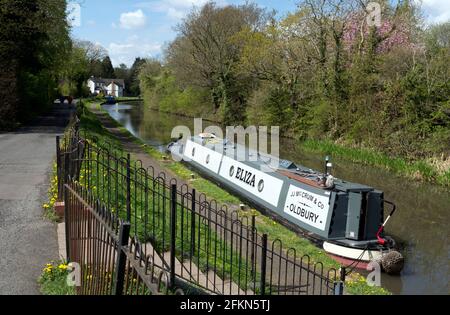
{"x": 207, "y": 159}
{"x": 232, "y": 171}
{"x": 193, "y": 151}
{"x": 261, "y": 185}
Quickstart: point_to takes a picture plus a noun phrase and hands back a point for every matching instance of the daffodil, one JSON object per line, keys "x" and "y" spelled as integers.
{"x": 62, "y": 267}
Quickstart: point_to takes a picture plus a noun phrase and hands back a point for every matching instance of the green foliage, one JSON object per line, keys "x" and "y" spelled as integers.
{"x": 34, "y": 44}
{"x": 358, "y": 286}
{"x": 53, "y": 280}
{"x": 107, "y": 69}
{"x": 162, "y": 93}
{"x": 49, "y": 207}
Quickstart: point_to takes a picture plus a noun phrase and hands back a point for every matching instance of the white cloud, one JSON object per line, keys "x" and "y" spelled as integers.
{"x": 131, "y": 20}
{"x": 175, "y": 9}
{"x": 436, "y": 11}
{"x": 133, "y": 47}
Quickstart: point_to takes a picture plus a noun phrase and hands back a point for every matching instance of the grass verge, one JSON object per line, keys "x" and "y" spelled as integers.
{"x": 49, "y": 207}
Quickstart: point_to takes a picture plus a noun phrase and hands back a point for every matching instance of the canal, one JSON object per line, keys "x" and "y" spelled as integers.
{"x": 420, "y": 225}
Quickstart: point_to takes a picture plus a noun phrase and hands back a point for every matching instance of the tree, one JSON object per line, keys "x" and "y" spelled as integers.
{"x": 34, "y": 44}
{"x": 134, "y": 84}
{"x": 122, "y": 72}
{"x": 107, "y": 68}
{"x": 149, "y": 71}
{"x": 95, "y": 54}
{"x": 204, "y": 55}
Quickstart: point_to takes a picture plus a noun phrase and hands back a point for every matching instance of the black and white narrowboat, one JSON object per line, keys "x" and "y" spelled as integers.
{"x": 346, "y": 219}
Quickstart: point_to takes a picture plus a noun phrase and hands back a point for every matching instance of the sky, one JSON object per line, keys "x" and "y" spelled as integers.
{"x": 140, "y": 28}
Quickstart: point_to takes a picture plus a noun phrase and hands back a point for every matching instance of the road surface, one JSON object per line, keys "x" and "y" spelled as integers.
{"x": 27, "y": 240}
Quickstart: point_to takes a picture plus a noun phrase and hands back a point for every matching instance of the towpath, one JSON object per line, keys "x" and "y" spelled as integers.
{"x": 27, "y": 240}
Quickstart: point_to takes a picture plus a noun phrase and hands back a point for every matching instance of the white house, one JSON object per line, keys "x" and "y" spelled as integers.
{"x": 113, "y": 87}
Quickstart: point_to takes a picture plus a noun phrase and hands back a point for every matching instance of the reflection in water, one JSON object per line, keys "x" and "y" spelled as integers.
{"x": 420, "y": 225}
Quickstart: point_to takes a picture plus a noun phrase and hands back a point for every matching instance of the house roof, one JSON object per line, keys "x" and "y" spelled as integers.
{"x": 119, "y": 82}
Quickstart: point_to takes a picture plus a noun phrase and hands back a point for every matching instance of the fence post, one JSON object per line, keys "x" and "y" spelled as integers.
{"x": 252, "y": 254}
{"x": 173, "y": 224}
{"x": 129, "y": 187}
{"x": 66, "y": 167}
{"x": 193, "y": 223}
{"x": 67, "y": 205}
{"x": 119, "y": 275}
{"x": 263, "y": 264}
{"x": 58, "y": 168}
{"x": 339, "y": 286}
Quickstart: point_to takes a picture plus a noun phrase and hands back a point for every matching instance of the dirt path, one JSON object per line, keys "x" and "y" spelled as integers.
{"x": 27, "y": 240}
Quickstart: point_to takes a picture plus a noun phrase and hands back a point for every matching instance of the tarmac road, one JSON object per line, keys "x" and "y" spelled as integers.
{"x": 27, "y": 240}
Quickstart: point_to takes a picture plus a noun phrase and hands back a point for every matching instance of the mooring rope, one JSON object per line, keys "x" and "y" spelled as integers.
{"x": 356, "y": 262}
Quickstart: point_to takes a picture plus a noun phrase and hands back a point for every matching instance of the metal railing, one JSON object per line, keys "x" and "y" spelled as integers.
{"x": 109, "y": 261}
{"x": 190, "y": 237}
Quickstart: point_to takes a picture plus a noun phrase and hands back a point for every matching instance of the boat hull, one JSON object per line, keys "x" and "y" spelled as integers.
{"x": 355, "y": 257}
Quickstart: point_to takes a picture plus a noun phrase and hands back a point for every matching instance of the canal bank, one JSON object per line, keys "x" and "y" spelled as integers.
{"x": 420, "y": 224}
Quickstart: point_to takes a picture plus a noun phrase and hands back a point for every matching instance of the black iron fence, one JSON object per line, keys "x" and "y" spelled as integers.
{"x": 109, "y": 261}
{"x": 191, "y": 239}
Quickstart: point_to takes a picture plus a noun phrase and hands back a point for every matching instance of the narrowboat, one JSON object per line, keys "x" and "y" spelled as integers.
{"x": 111, "y": 100}
{"x": 346, "y": 219}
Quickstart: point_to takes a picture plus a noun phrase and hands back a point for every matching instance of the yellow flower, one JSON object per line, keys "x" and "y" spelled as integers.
{"x": 48, "y": 268}
{"x": 62, "y": 267}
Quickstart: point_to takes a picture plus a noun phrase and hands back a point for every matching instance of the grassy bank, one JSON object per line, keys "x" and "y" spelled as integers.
{"x": 431, "y": 171}
{"x": 264, "y": 223}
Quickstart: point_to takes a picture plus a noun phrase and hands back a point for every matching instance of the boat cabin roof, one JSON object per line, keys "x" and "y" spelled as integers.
{"x": 286, "y": 168}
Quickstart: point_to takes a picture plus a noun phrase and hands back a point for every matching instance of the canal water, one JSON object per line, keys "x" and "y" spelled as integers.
{"x": 420, "y": 225}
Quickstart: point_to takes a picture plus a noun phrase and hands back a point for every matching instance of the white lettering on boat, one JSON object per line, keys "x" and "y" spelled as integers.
{"x": 253, "y": 181}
